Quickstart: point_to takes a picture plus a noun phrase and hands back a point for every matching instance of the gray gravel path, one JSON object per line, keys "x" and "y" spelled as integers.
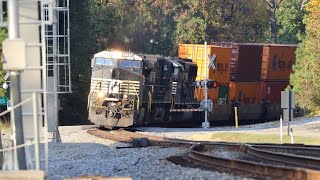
{"x": 302, "y": 125}
{"x": 83, "y": 154}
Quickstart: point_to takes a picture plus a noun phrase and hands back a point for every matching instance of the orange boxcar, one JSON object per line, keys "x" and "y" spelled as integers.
{"x": 244, "y": 92}
{"x": 277, "y": 62}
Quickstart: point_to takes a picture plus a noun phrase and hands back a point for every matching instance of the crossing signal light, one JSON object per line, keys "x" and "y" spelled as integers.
{"x": 212, "y": 84}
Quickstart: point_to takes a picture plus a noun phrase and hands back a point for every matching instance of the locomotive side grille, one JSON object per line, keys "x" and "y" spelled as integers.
{"x": 131, "y": 88}
{"x": 109, "y": 86}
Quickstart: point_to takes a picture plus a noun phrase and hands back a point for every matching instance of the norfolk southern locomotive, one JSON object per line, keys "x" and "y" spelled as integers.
{"x": 129, "y": 89}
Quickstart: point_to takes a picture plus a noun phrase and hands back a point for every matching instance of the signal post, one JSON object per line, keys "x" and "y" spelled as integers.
{"x": 206, "y": 104}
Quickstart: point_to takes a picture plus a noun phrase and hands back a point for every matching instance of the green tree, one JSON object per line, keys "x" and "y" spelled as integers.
{"x": 306, "y": 76}
{"x": 3, "y": 36}
{"x": 3, "y": 92}
{"x": 237, "y": 21}
{"x": 83, "y": 45}
{"x": 289, "y": 19}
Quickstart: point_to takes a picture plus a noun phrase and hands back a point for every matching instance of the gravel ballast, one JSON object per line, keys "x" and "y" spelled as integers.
{"x": 83, "y": 154}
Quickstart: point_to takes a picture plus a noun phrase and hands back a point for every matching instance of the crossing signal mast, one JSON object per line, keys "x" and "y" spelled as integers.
{"x": 206, "y": 104}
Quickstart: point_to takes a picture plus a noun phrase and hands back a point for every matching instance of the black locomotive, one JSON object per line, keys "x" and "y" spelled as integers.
{"x": 128, "y": 89}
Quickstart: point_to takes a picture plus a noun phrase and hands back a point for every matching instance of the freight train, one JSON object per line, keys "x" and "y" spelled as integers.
{"x": 250, "y": 76}
{"x": 129, "y": 89}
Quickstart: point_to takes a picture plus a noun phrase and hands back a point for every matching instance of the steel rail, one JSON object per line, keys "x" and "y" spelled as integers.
{"x": 289, "y": 148}
{"x": 292, "y": 166}
{"x": 250, "y": 167}
{"x": 298, "y": 150}
{"x": 286, "y": 145}
{"x": 296, "y": 160}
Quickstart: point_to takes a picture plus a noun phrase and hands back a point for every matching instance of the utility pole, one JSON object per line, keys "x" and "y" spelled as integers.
{"x": 206, "y": 123}
{"x": 15, "y": 96}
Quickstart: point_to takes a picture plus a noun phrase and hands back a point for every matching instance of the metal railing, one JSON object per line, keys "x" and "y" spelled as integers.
{"x": 36, "y": 139}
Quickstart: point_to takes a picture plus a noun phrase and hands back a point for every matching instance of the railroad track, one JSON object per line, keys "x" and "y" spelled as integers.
{"x": 267, "y": 161}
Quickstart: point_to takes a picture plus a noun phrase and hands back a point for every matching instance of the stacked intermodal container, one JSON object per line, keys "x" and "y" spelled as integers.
{"x": 221, "y": 74}
{"x": 277, "y": 62}
{"x": 247, "y": 73}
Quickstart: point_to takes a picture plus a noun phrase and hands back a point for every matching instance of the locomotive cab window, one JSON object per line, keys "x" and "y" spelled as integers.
{"x": 132, "y": 64}
{"x": 104, "y": 62}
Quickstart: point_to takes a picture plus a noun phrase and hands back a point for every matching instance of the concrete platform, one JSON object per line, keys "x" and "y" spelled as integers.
{"x": 25, "y": 175}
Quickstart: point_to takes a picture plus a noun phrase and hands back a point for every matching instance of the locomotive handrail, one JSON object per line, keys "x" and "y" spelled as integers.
{"x": 138, "y": 103}
{"x": 138, "y": 99}
{"x": 149, "y": 101}
{"x": 172, "y": 101}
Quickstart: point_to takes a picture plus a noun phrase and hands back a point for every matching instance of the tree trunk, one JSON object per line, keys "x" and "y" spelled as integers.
{"x": 274, "y": 28}
{"x": 272, "y": 7}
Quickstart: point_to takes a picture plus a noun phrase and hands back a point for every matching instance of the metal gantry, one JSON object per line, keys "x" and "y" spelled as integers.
{"x": 57, "y": 44}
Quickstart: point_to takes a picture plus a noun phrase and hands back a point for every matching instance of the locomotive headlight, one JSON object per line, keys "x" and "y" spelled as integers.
{"x": 101, "y": 94}
{"x": 125, "y": 96}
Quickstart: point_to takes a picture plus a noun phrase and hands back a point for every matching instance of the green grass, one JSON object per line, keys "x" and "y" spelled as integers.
{"x": 314, "y": 113}
{"x": 255, "y": 138}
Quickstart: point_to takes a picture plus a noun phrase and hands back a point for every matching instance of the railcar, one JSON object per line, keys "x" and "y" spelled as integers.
{"x": 251, "y": 77}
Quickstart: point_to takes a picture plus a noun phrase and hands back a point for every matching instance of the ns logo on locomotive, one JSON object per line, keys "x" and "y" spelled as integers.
{"x": 129, "y": 89}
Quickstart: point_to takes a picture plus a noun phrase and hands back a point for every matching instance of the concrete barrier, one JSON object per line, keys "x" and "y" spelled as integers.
{"x": 25, "y": 175}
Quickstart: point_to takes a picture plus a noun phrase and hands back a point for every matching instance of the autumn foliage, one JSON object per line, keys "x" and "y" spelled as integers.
{"x": 306, "y": 77}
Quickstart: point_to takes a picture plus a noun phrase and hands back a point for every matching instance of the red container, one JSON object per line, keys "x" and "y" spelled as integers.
{"x": 246, "y": 60}
{"x": 271, "y": 91}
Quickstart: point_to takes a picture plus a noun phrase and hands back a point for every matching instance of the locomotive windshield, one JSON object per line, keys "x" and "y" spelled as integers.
{"x": 104, "y": 61}
{"x": 121, "y": 63}
{"x": 130, "y": 64}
